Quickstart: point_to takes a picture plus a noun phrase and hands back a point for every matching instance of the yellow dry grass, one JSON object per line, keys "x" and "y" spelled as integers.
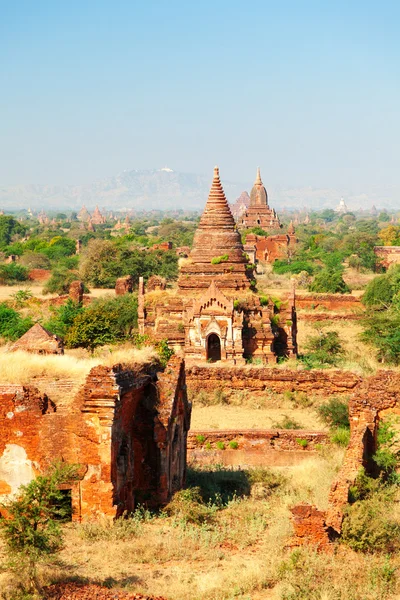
{"x": 22, "y": 367}
{"x": 242, "y": 417}
{"x": 359, "y": 357}
{"x": 242, "y": 553}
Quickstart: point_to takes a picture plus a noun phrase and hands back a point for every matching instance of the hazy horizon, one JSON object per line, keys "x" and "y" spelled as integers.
{"x": 309, "y": 93}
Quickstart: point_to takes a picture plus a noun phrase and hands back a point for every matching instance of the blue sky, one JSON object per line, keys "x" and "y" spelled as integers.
{"x": 310, "y": 91}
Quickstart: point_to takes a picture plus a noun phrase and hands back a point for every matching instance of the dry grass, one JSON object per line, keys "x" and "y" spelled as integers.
{"x": 240, "y": 417}
{"x": 21, "y": 367}
{"x": 241, "y": 554}
{"x": 359, "y": 357}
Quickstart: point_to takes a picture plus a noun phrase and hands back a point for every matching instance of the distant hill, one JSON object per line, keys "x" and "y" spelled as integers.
{"x": 165, "y": 189}
{"x": 162, "y": 189}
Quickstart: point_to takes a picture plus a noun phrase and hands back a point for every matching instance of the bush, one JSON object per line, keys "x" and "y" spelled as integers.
{"x": 12, "y": 273}
{"x": 233, "y": 445}
{"x": 12, "y": 325}
{"x": 63, "y": 318}
{"x": 59, "y": 282}
{"x": 295, "y": 267}
{"x": 188, "y": 507}
{"x": 106, "y": 322}
{"x": 323, "y": 349}
{"x": 287, "y": 423}
{"x": 335, "y": 413}
{"x": 329, "y": 281}
{"x": 382, "y": 330}
{"x": 369, "y": 526}
{"x": 200, "y": 438}
{"x": 380, "y": 291}
{"x": 32, "y": 532}
{"x": 340, "y": 437}
{"x": 219, "y": 259}
{"x": 220, "y": 445}
{"x": 303, "y": 443}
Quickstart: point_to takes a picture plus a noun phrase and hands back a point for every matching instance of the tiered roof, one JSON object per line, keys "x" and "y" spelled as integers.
{"x": 217, "y": 254}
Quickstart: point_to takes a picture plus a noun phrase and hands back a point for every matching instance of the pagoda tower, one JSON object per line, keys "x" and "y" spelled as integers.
{"x": 259, "y": 214}
{"x": 217, "y": 254}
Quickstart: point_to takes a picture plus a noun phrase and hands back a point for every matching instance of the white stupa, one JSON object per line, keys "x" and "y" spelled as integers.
{"x": 341, "y": 207}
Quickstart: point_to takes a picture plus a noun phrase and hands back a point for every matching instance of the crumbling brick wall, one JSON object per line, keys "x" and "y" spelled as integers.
{"x": 372, "y": 399}
{"x": 258, "y": 380}
{"x": 126, "y": 427}
{"x": 252, "y": 447}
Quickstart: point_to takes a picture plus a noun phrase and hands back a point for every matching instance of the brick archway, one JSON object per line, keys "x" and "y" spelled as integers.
{"x": 213, "y": 347}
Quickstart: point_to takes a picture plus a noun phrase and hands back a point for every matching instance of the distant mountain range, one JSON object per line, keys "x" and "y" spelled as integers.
{"x": 165, "y": 189}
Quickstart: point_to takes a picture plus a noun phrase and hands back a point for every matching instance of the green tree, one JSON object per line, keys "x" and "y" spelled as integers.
{"x": 329, "y": 281}
{"x": 32, "y": 532}
{"x": 103, "y": 322}
{"x": 63, "y": 318}
{"x": 8, "y": 228}
{"x": 12, "y": 325}
{"x": 59, "y": 282}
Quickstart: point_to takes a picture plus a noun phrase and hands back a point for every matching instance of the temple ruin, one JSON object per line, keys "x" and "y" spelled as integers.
{"x": 216, "y": 314}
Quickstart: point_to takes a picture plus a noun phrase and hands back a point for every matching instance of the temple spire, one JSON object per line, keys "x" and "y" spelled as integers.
{"x": 258, "y": 180}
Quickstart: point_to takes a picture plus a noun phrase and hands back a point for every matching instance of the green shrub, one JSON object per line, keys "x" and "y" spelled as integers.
{"x": 381, "y": 290}
{"x": 340, "y": 437}
{"x": 287, "y": 423}
{"x": 264, "y": 300}
{"x": 323, "y": 349}
{"x": 107, "y": 321}
{"x": 303, "y": 443}
{"x": 164, "y": 351}
{"x": 369, "y": 526}
{"x": 220, "y": 445}
{"x": 387, "y": 453}
{"x": 208, "y": 446}
{"x": 219, "y": 259}
{"x": 63, "y": 318}
{"x": 12, "y": 273}
{"x": 32, "y": 532}
{"x": 295, "y": 267}
{"x": 12, "y": 325}
{"x": 334, "y": 413}
{"x": 200, "y": 438}
{"x": 233, "y": 445}
{"x": 329, "y": 281}
{"x": 188, "y": 507}
{"x": 59, "y": 282}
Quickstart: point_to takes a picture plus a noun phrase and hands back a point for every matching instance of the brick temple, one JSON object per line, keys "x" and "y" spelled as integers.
{"x": 216, "y": 313}
{"x": 258, "y": 213}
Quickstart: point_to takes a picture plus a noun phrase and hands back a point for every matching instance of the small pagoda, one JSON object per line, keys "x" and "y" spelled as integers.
{"x": 258, "y": 213}
{"x": 215, "y": 313}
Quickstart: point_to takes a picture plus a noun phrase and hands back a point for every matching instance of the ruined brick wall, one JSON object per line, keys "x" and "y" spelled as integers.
{"x": 125, "y": 428}
{"x": 329, "y": 302}
{"x": 376, "y": 396}
{"x": 309, "y": 527}
{"x": 257, "y": 380}
{"x": 372, "y": 399}
{"x": 254, "y": 447}
{"x": 124, "y": 285}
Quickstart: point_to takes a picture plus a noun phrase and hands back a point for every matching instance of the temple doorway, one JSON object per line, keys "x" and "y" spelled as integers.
{"x": 213, "y": 347}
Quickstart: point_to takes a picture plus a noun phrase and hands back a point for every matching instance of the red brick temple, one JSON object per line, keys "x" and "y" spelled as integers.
{"x": 216, "y": 313}
{"x": 258, "y": 213}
